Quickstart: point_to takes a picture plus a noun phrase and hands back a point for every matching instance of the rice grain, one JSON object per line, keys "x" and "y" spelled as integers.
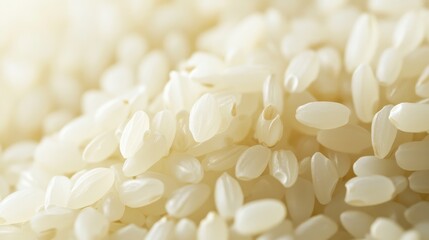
{"x": 325, "y": 177}
{"x": 15, "y": 208}
{"x": 362, "y": 42}
{"x": 284, "y": 167}
{"x": 357, "y": 223}
{"x": 186, "y": 200}
{"x": 130, "y": 192}
{"x": 100, "y": 148}
{"x": 389, "y": 66}
{"x": 252, "y": 162}
{"x": 228, "y": 196}
{"x": 411, "y": 156}
{"x": 133, "y": 134}
{"x": 410, "y": 117}
{"x": 369, "y": 190}
{"x": 90, "y": 187}
{"x": 323, "y": 115}
{"x": 90, "y": 224}
{"x": 301, "y": 72}
{"x": 365, "y": 92}
{"x": 205, "y": 118}
{"x": 213, "y": 227}
{"x": 247, "y": 219}
{"x": 327, "y": 228}
{"x": 383, "y": 132}
{"x": 419, "y": 181}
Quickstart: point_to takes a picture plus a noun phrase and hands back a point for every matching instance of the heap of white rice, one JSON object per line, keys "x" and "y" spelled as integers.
{"x": 214, "y": 119}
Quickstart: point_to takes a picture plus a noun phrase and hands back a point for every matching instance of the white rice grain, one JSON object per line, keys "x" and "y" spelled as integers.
{"x": 90, "y": 224}
{"x": 112, "y": 206}
{"x": 90, "y": 187}
{"x": 409, "y": 32}
{"x": 252, "y": 162}
{"x": 131, "y": 232}
{"x": 389, "y": 66}
{"x": 411, "y": 156}
{"x": 323, "y": 115}
{"x": 247, "y": 219}
{"x": 165, "y": 123}
{"x": 205, "y": 118}
{"x": 100, "y": 148}
{"x": 228, "y": 196}
{"x": 153, "y": 72}
{"x": 185, "y": 229}
{"x": 223, "y": 159}
{"x": 272, "y": 94}
{"x": 16, "y": 208}
{"x": 383, "y": 132}
{"x": 300, "y": 200}
{"x": 301, "y": 72}
{"x": 58, "y": 192}
{"x": 365, "y": 92}
{"x": 362, "y": 43}
{"x": 79, "y": 130}
{"x": 284, "y": 167}
{"x": 325, "y": 177}
{"x": 133, "y": 134}
{"x": 58, "y": 156}
{"x": 369, "y": 190}
{"x": 185, "y": 168}
{"x": 213, "y": 227}
{"x": 112, "y": 113}
{"x": 130, "y": 192}
{"x": 417, "y": 213}
{"x": 385, "y": 228}
{"x": 419, "y": 181}
{"x": 161, "y": 230}
{"x": 371, "y": 165}
{"x": 339, "y": 139}
{"x": 269, "y": 127}
{"x": 326, "y": 226}
{"x": 410, "y": 117}
{"x": 357, "y": 223}
{"x": 52, "y": 219}
{"x": 186, "y": 200}
{"x": 153, "y": 149}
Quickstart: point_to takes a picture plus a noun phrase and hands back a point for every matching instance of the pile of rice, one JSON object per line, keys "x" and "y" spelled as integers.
{"x": 214, "y": 119}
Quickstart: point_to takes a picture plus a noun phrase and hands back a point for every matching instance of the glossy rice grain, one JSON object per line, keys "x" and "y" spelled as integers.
{"x": 362, "y": 42}
{"x": 325, "y": 177}
{"x": 339, "y": 139}
{"x": 369, "y": 190}
{"x": 301, "y": 72}
{"x": 410, "y": 117}
{"x": 90, "y": 187}
{"x": 141, "y": 192}
{"x": 252, "y": 162}
{"x": 383, "y": 132}
{"x": 365, "y": 92}
{"x": 327, "y": 228}
{"x": 284, "y": 167}
{"x": 411, "y": 156}
{"x": 133, "y": 134}
{"x": 186, "y": 200}
{"x": 323, "y": 115}
{"x": 247, "y": 219}
{"x": 228, "y": 196}
{"x": 205, "y": 118}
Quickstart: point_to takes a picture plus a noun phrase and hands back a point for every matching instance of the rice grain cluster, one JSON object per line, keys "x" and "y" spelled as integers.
{"x": 214, "y": 119}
